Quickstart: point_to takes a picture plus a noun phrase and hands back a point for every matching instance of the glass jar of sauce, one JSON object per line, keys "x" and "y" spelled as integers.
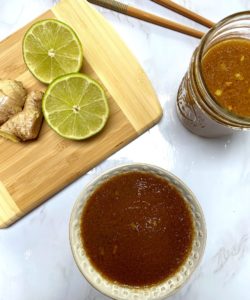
{"x": 197, "y": 107}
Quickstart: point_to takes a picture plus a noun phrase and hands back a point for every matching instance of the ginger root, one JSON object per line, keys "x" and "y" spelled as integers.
{"x": 26, "y": 124}
{"x": 12, "y": 98}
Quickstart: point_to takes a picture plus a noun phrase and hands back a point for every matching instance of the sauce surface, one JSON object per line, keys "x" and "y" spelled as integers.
{"x": 226, "y": 71}
{"x": 136, "y": 229}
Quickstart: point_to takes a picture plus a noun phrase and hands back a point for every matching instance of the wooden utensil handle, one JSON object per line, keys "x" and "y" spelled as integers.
{"x": 112, "y": 5}
{"x": 148, "y": 17}
{"x": 185, "y": 12}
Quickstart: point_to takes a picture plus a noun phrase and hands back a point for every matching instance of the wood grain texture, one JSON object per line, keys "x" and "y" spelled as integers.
{"x": 8, "y": 208}
{"x": 34, "y": 171}
{"x": 185, "y": 12}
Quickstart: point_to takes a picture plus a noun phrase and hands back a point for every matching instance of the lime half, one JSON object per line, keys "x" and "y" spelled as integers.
{"x": 75, "y": 106}
{"x": 51, "y": 49}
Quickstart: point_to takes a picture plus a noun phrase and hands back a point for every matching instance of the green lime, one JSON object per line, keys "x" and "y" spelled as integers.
{"x": 75, "y": 106}
{"x": 51, "y": 49}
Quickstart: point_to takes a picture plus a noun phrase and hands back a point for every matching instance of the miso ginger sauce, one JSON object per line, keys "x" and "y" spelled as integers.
{"x": 226, "y": 72}
{"x": 137, "y": 229}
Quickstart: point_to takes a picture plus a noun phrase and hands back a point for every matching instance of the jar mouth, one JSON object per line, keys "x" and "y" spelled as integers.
{"x": 215, "y": 34}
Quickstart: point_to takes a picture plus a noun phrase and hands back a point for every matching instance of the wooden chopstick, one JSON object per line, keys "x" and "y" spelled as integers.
{"x": 185, "y": 12}
{"x": 148, "y": 17}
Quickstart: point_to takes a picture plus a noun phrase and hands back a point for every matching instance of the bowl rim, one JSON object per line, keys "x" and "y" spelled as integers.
{"x": 144, "y": 167}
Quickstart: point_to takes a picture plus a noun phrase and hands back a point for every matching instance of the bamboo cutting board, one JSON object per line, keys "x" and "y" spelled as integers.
{"x": 32, "y": 172}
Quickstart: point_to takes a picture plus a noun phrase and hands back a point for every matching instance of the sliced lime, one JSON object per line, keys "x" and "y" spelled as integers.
{"x": 75, "y": 106}
{"x": 51, "y": 49}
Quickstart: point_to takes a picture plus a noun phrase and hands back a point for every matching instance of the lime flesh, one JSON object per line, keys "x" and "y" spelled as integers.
{"x": 51, "y": 49}
{"x": 75, "y": 106}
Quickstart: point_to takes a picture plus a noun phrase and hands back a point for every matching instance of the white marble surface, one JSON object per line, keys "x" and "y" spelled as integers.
{"x": 35, "y": 256}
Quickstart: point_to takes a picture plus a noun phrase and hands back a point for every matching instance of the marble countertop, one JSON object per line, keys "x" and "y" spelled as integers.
{"x": 35, "y": 256}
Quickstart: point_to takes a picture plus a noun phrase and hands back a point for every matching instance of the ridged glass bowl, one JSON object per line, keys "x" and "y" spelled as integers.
{"x": 156, "y": 292}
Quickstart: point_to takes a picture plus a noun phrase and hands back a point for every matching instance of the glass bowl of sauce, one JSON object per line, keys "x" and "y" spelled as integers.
{"x": 137, "y": 232}
{"x": 214, "y": 95}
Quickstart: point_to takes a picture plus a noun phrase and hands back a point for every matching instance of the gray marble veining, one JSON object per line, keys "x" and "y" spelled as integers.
{"x": 35, "y": 256}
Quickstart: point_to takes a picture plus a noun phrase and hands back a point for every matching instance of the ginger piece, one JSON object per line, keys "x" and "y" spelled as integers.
{"x": 12, "y": 98}
{"x": 218, "y": 92}
{"x": 26, "y": 124}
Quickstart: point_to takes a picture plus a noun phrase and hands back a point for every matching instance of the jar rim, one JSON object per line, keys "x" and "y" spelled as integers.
{"x": 211, "y": 105}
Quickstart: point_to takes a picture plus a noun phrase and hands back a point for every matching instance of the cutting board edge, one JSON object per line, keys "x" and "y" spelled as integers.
{"x": 154, "y": 121}
{"x": 40, "y": 16}
{"x": 9, "y": 211}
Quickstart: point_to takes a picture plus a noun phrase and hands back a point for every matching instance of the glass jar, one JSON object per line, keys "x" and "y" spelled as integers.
{"x": 196, "y": 108}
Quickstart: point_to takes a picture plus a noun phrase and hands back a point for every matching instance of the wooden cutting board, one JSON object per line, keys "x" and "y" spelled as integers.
{"x": 32, "y": 172}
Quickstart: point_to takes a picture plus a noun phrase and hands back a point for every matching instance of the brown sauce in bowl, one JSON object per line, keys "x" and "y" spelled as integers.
{"x": 226, "y": 72}
{"x": 137, "y": 229}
